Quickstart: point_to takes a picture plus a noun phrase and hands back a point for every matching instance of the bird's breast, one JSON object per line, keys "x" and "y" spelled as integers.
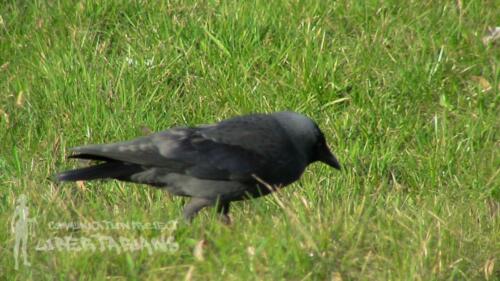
{"x": 283, "y": 175}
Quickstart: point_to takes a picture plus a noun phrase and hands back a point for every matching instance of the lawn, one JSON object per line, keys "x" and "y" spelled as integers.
{"x": 406, "y": 92}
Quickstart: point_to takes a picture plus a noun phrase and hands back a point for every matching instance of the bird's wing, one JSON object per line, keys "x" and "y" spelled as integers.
{"x": 142, "y": 151}
{"x": 211, "y": 152}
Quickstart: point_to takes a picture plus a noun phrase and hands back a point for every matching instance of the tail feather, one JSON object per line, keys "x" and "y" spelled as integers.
{"x": 85, "y": 156}
{"x": 108, "y": 170}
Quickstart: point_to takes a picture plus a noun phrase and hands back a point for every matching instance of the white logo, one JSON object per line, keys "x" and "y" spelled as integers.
{"x": 95, "y": 241}
{"x": 20, "y": 228}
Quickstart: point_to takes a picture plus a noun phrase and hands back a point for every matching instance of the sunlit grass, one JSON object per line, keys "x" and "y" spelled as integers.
{"x": 397, "y": 87}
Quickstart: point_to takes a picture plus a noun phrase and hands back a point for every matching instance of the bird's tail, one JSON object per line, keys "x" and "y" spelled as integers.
{"x": 107, "y": 170}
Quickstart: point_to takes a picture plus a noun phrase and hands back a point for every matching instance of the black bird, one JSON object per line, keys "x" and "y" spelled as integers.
{"x": 232, "y": 160}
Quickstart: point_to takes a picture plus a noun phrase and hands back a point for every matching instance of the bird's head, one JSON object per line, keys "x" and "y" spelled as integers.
{"x": 307, "y": 138}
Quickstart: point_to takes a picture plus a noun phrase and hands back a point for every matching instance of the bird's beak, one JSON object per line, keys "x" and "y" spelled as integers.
{"x": 328, "y": 158}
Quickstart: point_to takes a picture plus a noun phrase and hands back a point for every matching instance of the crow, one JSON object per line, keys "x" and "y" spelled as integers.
{"x": 236, "y": 159}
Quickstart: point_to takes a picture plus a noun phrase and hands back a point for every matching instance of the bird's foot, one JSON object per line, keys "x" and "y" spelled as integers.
{"x": 194, "y": 206}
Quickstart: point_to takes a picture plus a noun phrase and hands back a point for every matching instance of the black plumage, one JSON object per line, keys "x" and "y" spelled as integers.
{"x": 219, "y": 163}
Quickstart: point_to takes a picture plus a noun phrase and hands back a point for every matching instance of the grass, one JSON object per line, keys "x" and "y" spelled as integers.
{"x": 400, "y": 89}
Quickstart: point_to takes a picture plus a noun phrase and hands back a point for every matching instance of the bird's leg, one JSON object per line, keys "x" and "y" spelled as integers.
{"x": 223, "y": 210}
{"x": 194, "y": 206}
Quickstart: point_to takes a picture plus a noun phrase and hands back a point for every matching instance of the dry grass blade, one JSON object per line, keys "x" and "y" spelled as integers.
{"x": 336, "y": 276}
{"x": 4, "y": 116}
{"x": 485, "y": 85}
{"x": 198, "y": 250}
{"x": 81, "y": 185}
{"x": 295, "y": 220}
{"x": 492, "y": 36}
{"x": 189, "y": 274}
{"x": 489, "y": 267}
{"x": 20, "y": 99}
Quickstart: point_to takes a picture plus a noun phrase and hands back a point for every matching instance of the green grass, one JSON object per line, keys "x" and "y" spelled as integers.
{"x": 391, "y": 83}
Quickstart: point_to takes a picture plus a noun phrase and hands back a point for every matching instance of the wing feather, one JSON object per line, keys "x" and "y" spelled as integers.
{"x": 235, "y": 149}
